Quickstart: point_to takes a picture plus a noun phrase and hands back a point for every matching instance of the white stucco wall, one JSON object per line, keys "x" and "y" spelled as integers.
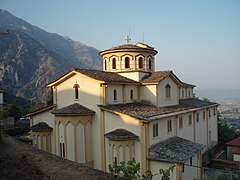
{"x": 236, "y": 157}
{"x": 201, "y": 128}
{"x": 80, "y": 143}
{"x": 213, "y": 126}
{"x": 191, "y": 171}
{"x": 162, "y": 130}
{"x": 162, "y": 100}
{"x": 148, "y": 93}
{"x": 89, "y": 92}
{"x": 136, "y": 76}
{"x": 113, "y": 122}
{"x": 187, "y": 132}
{"x": 109, "y": 93}
{"x": 70, "y": 141}
{"x": 48, "y": 118}
{"x": 135, "y": 93}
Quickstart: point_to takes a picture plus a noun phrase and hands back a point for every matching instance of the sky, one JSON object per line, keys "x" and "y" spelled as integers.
{"x": 198, "y": 39}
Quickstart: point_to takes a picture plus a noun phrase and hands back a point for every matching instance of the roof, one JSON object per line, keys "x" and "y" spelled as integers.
{"x": 41, "y": 127}
{"x": 42, "y": 110}
{"x": 130, "y": 47}
{"x": 236, "y": 151}
{"x": 234, "y": 142}
{"x": 73, "y": 109}
{"x": 121, "y": 134}
{"x": 187, "y": 85}
{"x": 174, "y": 149}
{"x": 2, "y": 90}
{"x": 156, "y": 77}
{"x": 148, "y": 112}
{"x": 105, "y": 76}
{"x": 109, "y": 77}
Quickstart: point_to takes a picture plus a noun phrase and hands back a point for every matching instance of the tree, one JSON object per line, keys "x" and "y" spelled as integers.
{"x": 225, "y": 134}
{"x": 13, "y": 110}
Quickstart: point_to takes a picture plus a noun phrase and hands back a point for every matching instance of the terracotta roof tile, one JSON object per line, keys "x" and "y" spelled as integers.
{"x": 105, "y": 76}
{"x": 41, "y": 127}
{"x": 234, "y": 142}
{"x": 156, "y": 77}
{"x": 174, "y": 149}
{"x": 73, "y": 109}
{"x": 143, "y": 111}
{"x": 121, "y": 134}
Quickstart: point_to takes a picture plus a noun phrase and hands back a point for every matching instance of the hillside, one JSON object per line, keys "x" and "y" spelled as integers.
{"x": 31, "y": 57}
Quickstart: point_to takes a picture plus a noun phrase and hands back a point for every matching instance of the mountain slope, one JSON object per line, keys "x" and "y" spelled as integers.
{"x": 26, "y": 66}
{"x": 79, "y": 54}
{"x": 31, "y": 57}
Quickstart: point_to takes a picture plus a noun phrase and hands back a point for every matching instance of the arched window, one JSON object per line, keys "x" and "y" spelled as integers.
{"x": 76, "y": 87}
{"x": 131, "y": 94}
{"x": 149, "y": 63}
{"x": 114, "y": 63}
{"x": 168, "y": 91}
{"x": 115, "y": 95}
{"x": 155, "y": 130}
{"x": 105, "y": 64}
{"x": 127, "y": 62}
{"x": 140, "y": 62}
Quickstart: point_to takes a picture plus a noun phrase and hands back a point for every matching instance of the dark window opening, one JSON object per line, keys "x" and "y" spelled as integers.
{"x": 114, "y": 63}
{"x": 114, "y": 94}
{"x": 76, "y": 87}
{"x": 127, "y": 62}
{"x": 140, "y": 62}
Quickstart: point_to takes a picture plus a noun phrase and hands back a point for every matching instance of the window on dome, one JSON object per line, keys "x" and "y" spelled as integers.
{"x": 114, "y": 63}
{"x": 149, "y": 63}
{"x": 140, "y": 62}
{"x": 127, "y": 62}
{"x": 105, "y": 64}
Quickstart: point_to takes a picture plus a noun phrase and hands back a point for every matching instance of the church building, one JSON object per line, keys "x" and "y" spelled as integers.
{"x": 128, "y": 110}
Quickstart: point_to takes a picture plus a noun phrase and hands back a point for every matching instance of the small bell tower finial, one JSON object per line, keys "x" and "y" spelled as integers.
{"x": 128, "y": 39}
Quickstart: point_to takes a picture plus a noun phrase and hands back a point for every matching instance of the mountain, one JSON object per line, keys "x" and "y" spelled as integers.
{"x": 31, "y": 57}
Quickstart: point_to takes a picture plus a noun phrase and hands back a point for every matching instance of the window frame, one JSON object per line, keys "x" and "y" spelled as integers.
{"x": 76, "y": 91}
{"x": 180, "y": 122}
{"x": 155, "y": 130}
{"x": 169, "y": 126}
{"x": 114, "y": 95}
{"x": 131, "y": 94}
{"x": 140, "y": 62}
{"x": 127, "y": 62}
{"x": 190, "y": 119}
{"x": 114, "y": 63}
{"x": 168, "y": 91}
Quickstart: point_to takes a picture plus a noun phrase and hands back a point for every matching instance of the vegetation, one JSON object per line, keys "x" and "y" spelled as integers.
{"x": 131, "y": 171}
{"x": 11, "y": 110}
{"x": 225, "y": 134}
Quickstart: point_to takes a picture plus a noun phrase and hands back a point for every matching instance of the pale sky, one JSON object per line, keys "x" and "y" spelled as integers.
{"x": 198, "y": 40}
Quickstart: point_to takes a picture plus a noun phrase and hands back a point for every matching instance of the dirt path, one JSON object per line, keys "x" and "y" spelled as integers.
{"x": 21, "y": 161}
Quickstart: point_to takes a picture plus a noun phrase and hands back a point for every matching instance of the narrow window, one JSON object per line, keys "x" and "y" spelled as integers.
{"x": 169, "y": 126}
{"x": 197, "y": 117}
{"x": 140, "y": 62}
{"x": 168, "y": 91}
{"x": 131, "y": 94}
{"x": 76, "y": 87}
{"x": 180, "y": 122}
{"x": 204, "y": 115}
{"x": 190, "y": 161}
{"x": 155, "y": 130}
{"x": 214, "y": 111}
{"x": 190, "y": 119}
{"x": 62, "y": 150}
{"x": 105, "y": 64}
{"x": 183, "y": 168}
{"x": 189, "y": 93}
{"x": 209, "y": 111}
{"x": 149, "y": 63}
{"x": 127, "y": 62}
{"x": 114, "y": 63}
{"x": 115, "y": 95}
{"x": 182, "y": 93}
